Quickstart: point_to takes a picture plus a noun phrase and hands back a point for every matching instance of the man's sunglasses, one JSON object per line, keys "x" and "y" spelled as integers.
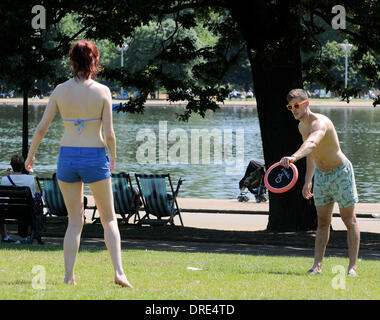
{"x": 296, "y": 105}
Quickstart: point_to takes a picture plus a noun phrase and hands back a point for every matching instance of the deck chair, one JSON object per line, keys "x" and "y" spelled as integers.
{"x": 156, "y": 200}
{"x": 53, "y": 198}
{"x": 126, "y": 198}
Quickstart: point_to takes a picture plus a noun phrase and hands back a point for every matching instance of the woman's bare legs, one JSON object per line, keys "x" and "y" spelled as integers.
{"x": 73, "y": 195}
{"x": 102, "y": 192}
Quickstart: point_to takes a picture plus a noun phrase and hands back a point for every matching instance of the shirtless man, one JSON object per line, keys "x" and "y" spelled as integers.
{"x": 333, "y": 177}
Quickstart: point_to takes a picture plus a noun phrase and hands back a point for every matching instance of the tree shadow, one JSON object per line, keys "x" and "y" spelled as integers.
{"x": 188, "y": 239}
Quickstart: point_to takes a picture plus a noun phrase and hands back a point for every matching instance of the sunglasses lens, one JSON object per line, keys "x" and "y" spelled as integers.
{"x": 295, "y": 106}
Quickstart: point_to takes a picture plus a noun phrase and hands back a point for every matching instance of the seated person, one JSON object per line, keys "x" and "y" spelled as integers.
{"x": 4, "y": 234}
{"x": 249, "y": 94}
{"x": 18, "y": 178}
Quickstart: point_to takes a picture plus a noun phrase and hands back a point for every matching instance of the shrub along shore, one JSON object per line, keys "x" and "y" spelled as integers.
{"x": 233, "y": 102}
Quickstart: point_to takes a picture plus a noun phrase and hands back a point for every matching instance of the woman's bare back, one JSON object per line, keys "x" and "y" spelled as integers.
{"x": 83, "y": 100}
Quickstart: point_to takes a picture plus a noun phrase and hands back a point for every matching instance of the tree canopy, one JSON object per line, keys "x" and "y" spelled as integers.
{"x": 208, "y": 64}
{"x": 180, "y": 45}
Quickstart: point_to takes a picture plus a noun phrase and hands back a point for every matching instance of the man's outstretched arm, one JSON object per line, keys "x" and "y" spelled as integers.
{"x": 318, "y": 131}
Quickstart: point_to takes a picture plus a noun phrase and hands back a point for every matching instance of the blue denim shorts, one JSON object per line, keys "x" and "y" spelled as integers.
{"x": 82, "y": 164}
{"x": 337, "y": 185}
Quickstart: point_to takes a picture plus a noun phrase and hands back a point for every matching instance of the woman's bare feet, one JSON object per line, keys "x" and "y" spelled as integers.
{"x": 122, "y": 280}
{"x": 70, "y": 281}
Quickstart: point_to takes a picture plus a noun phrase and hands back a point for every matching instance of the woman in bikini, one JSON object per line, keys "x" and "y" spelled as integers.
{"x": 85, "y": 107}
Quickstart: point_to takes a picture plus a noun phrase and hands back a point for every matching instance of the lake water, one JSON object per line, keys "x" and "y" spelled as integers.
{"x": 156, "y": 142}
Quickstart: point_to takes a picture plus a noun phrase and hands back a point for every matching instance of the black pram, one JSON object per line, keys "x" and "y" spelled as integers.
{"x": 253, "y": 180}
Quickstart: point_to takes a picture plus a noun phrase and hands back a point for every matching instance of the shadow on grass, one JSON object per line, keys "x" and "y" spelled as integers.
{"x": 15, "y": 283}
{"x": 187, "y": 239}
{"x": 286, "y": 273}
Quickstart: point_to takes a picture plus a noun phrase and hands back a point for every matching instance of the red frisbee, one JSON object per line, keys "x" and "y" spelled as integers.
{"x": 278, "y": 179}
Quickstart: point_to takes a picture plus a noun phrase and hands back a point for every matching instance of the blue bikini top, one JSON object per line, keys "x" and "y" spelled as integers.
{"x": 80, "y": 122}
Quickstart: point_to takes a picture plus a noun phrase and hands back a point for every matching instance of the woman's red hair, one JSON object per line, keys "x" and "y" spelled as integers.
{"x": 84, "y": 57}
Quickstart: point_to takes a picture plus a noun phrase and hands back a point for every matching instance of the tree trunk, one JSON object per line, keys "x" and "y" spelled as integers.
{"x": 25, "y": 121}
{"x": 272, "y": 35}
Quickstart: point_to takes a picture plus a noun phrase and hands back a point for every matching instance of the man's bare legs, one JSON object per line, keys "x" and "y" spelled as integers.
{"x": 323, "y": 234}
{"x": 322, "y": 237}
{"x": 73, "y": 195}
{"x": 353, "y": 237}
{"x": 102, "y": 192}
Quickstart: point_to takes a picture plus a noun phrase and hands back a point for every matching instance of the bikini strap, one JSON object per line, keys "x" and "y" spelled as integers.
{"x": 80, "y": 122}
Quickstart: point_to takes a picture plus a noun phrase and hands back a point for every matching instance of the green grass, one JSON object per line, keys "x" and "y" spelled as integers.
{"x": 164, "y": 275}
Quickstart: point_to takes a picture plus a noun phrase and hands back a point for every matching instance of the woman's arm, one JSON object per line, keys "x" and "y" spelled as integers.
{"x": 109, "y": 134}
{"x": 43, "y": 126}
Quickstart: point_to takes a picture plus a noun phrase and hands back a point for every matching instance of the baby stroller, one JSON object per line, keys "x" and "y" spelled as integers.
{"x": 253, "y": 180}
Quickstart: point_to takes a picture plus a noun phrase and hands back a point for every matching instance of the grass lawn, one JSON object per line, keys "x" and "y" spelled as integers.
{"x": 165, "y": 275}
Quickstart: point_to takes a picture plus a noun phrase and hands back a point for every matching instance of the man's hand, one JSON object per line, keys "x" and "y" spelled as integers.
{"x": 306, "y": 190}
{"x": 286, "y": 161}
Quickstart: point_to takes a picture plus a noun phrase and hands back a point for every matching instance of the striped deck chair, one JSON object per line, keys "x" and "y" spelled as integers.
{"x": 126, "y": 198}
{"x": 52, "y": 196}
{"x": 156, "y": 200}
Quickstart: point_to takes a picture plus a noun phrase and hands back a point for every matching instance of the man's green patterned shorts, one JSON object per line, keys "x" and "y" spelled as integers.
{"x": 336, "y": 185}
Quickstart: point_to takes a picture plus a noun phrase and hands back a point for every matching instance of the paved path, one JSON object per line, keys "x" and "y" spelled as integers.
{"x": 252, "y": 216}
{"x": 230, "y": 214}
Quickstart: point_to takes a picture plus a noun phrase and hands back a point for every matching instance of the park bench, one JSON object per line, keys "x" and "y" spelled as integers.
{"x": 17, "y": 207}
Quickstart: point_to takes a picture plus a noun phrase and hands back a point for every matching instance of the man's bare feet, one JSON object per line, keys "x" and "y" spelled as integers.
{"x": 352, "y": 272}
{"x": 122, "y": 280}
